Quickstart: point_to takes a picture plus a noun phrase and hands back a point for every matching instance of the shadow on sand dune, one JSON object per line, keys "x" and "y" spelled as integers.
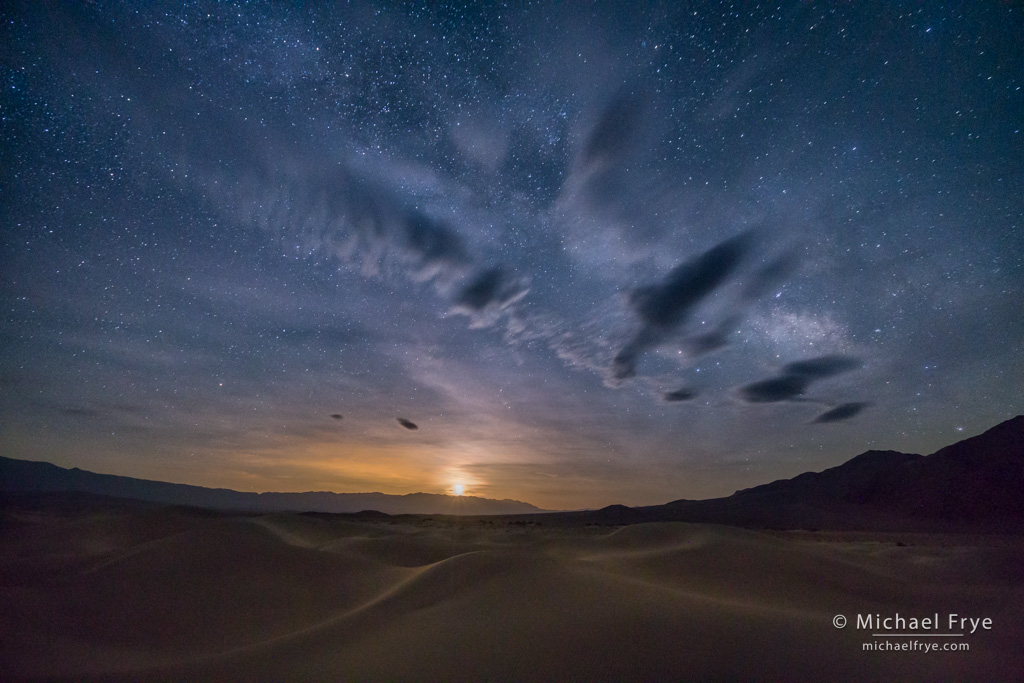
{"x": 139, "y": 592}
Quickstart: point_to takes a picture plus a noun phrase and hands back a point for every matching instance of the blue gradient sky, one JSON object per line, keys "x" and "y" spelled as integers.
{"x": 524, "y": 230}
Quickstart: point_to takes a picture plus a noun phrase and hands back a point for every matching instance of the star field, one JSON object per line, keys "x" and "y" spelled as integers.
{"x": 592, "y": 255}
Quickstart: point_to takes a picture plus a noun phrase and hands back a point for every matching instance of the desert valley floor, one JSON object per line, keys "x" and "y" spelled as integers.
{"x": 111, "y": 590}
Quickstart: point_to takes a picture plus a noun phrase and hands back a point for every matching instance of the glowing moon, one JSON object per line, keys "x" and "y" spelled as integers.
{"x": 459, "y": 489}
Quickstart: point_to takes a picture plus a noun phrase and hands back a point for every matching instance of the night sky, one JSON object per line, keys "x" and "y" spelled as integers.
{"x": 572, "y": 255}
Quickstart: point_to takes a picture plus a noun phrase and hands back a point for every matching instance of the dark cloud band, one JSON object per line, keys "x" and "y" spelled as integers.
{"x": 841, "y": 412}
{"x": 796, "y": 378}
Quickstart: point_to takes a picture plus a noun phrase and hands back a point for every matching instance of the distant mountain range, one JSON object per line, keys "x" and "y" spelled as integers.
{"x": 975, "y": 484}
{"x": 24, "y": 476}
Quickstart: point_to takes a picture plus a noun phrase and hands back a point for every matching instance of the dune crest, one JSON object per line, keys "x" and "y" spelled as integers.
{"x": 142, "y": 593}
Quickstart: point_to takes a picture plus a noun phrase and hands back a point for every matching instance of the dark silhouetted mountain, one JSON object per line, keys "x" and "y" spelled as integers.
{"x": 980, "y": 478}
{"x": 23, "y": 476}
{"x": 853, "y": 481}
{"x": 975, "y": 484}
{"x": 977, "y": 479}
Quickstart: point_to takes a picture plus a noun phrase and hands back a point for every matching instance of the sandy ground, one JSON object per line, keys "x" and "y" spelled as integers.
{"x": 171, "y": 594}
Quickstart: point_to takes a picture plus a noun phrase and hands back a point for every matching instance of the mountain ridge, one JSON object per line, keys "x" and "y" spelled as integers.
{"x": 971, "y": 484}
{"x": 25, "y": 476}
{"x": 974, "y": 484}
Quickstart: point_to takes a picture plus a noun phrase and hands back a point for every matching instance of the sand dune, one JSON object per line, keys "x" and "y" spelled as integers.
{"x": 147, "y": 593}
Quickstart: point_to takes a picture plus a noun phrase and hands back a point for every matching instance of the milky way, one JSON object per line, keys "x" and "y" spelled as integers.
{"x": 591, "y": 256}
